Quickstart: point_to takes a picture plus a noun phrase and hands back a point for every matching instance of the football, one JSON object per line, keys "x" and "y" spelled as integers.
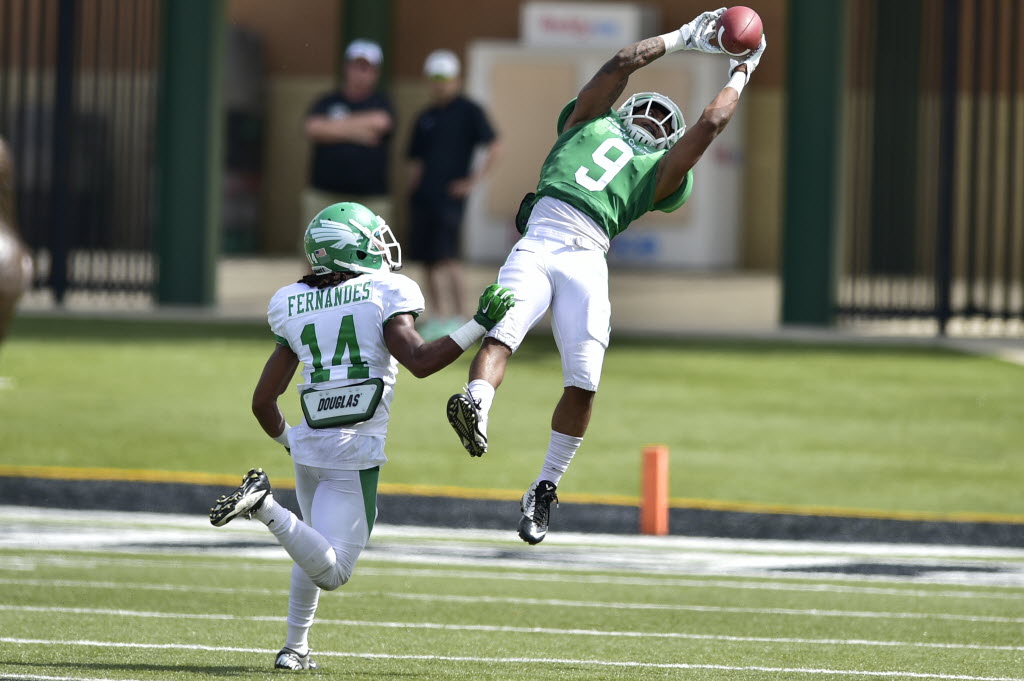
{"x": 739, "y": 31}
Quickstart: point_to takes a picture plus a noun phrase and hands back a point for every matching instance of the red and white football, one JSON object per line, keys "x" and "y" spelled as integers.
{"x": 739, "y": 31}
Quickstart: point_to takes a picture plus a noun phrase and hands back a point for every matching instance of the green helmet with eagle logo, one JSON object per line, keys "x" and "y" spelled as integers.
{"x": 348, "y": 237}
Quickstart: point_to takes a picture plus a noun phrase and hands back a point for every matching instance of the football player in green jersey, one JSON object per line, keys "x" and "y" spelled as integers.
{"x": 607, "y": 168}
{"x": 350, "y": 323}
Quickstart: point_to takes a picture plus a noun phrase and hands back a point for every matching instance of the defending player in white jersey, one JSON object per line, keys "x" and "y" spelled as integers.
{"x": 350, "y": 323}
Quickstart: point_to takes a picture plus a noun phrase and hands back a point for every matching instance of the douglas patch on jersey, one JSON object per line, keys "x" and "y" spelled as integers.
{"x": 342, "y": 406}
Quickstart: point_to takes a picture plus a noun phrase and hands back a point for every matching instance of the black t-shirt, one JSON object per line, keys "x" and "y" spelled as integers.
{"x": 350, "y": 168}
{"x": 444, "y": 138}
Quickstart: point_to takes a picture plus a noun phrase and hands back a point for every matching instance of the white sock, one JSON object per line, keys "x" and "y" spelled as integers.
{"x": 270, "y": 512}
{"x": 483, "y": 392}
{"x": 302, "y": 601}
{"x": 304, "y": 594}
{"x": 561, "y": 449}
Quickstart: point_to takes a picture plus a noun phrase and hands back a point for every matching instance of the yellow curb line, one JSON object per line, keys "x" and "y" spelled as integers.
{"x": 142, "y": 475}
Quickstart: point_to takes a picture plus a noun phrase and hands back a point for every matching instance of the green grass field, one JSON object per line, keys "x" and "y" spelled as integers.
{"x": 878, "y": 428}
{"x": 111, "y": 596}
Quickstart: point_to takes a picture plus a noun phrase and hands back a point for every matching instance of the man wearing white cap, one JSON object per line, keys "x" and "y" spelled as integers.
{"x": 442, "y": 173}
{"x": 350, "y": 129}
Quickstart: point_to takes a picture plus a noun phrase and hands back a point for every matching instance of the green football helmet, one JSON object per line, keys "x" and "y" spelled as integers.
{"x": 348, "y": 237}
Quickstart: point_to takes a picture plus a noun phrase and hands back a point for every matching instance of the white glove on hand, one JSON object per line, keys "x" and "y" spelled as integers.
{"x": 697, "y": 34}
{"x": 751, "y": 60}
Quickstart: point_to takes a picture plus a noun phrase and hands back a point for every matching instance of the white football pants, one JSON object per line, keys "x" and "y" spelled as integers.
{"x": 572, "y": 280}
{"x": 339, "y": 508}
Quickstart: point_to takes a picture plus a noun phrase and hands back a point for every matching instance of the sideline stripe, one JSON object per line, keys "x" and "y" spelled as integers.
{"x": 449, "y": 598}
{"x": 520, "y": 660}
{"x": 19, "y": 564}
{"x": 143, "y": 475}
{"x": 513, "y": 630}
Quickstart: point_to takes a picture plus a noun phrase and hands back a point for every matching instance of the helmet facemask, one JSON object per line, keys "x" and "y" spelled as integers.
{"x": 656, "y": 109}
{"x": 381, "y": 241}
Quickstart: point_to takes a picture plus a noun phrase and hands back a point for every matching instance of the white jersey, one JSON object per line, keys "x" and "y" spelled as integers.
{"x": 338, "y": 335}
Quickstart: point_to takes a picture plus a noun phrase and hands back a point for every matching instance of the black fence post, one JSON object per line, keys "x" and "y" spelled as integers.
{"x": 894, "y": 171}
{"x": 947, "y": 158}
{"x": 63, "y": 138}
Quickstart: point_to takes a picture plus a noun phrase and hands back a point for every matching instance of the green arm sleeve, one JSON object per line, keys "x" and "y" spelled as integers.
{"x": 678, "y": 197}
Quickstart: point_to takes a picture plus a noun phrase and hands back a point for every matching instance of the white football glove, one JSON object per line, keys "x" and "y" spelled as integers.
{"x": 697, "y": 34}
{"x": 751, "y": 60}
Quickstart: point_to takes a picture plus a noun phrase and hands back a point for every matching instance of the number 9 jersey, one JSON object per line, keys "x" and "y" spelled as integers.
{"x": 598, "y": 168}
{"x": 338, "y": 334}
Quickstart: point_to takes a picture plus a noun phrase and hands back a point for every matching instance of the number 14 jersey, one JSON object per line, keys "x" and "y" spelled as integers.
{"x": 338, "y": 335}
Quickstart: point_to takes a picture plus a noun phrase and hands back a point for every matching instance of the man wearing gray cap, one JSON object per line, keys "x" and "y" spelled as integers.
{"x": 350, "y": 129}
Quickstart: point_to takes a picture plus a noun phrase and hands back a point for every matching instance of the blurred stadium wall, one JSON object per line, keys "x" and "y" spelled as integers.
{"x": 882, "y": 141}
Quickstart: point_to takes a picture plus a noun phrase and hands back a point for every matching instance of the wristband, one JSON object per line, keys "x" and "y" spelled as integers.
{"x": 673, "y": 40}
{"x": 737, "y": 81}
{"x": 282, "y": 439}
{"x": 468, "y": 334}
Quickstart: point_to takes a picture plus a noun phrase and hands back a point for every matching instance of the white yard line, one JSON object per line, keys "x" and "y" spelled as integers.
{"x": 657, "y": 582}
{"x": 554, "y": 602}
{"x": 127, "y": 587}
{"x": 24, "y": 563}
{"x": 130, "y": 586}
{"x": 440, "y": 626}
{"x": 519, "y": 660}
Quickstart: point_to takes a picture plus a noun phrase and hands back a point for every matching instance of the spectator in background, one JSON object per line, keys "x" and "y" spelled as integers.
{"x": 442, "y": 173}
{"x": 351, "y": 133}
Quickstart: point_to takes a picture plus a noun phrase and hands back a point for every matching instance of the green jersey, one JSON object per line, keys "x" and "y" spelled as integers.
{"x": 598, "y": 169}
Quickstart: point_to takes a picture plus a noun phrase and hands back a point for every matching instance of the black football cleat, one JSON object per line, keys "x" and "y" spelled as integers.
{"x": 245, "y": 500}
{"x": 536, "y": 508}
{"x": 469, "y": 423}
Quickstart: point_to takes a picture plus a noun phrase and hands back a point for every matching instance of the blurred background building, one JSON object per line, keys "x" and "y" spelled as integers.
{"x": 873, "y": 173}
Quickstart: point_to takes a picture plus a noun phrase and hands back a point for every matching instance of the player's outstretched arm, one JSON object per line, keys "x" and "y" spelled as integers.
{"x": 422, "y": 358}
{"x": 688, "y": 150}
{"x": 275, "y": 379}
{"x": 598, "y": 95}
{"x": 604, "y": 88}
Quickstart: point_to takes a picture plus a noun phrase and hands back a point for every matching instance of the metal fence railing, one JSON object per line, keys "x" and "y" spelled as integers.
{"x": 931, "y": 215}
{"x": 78, "y": 102}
